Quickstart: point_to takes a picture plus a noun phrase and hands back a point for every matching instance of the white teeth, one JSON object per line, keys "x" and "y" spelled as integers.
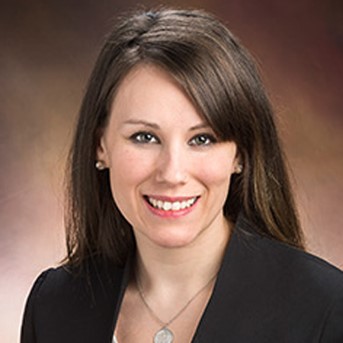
{"x": 171, "y": 206}
{"x": 176, "y": 206}
{"x": 167, "y": 206}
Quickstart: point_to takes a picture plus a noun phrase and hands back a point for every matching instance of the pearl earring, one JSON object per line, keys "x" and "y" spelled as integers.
{"x": 238, "y": 168}
{"x": 100, "y": 165}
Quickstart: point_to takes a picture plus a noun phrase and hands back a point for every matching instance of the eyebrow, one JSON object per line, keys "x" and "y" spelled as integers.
{"x": 157, "y": 127}
{"x": 141, "y": 122}
{"x": 200, "y": 126}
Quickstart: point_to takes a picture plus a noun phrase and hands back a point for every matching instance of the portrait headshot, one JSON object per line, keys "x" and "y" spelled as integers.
{"x": 172, "y": 172}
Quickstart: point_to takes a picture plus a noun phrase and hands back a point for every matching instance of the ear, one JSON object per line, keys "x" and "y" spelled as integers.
{"x": 101, "y": 150}
{"x": 238, "y": 164}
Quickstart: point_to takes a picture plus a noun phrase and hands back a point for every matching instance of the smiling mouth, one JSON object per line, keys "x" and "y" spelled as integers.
{"x": 171, "y": 205}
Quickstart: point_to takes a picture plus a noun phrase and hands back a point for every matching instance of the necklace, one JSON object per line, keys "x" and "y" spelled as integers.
{"x": 164, "y": 334}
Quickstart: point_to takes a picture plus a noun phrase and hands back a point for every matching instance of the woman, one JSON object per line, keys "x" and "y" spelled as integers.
{"x": 181, "y": 225}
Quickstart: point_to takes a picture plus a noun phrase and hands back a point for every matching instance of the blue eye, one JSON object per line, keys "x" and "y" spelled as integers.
{"x": 144, "y": 138}
{"x": 202, "y": 140}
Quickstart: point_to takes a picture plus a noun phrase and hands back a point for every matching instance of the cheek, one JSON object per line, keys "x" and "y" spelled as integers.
{"x": 217, "y": 182}
{"x": 217, "y": 171}
{"x": 128, "y": 168}
{"x": 127, "y": 171}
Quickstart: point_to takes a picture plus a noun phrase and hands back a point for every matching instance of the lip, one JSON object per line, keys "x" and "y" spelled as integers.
{"x": 171, "y": 213}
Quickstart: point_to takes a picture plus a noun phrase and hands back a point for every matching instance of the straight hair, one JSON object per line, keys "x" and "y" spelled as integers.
{"x": 220, "y": 78}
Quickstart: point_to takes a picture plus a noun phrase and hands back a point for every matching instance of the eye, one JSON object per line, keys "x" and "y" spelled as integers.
{"x": 144, "y": 138}
{"x": 203, "y": 139}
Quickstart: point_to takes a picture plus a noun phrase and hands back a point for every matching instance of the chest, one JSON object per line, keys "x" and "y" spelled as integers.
{"x": 138, "y": 322}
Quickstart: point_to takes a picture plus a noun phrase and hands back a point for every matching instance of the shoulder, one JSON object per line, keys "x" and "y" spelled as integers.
{"x": 55, "y": 280}
{"x": 294, "y": 292}
{"x": 63, "y": 301}
{"x": 289, "y": 263}
{"x": 291, "y": 276}
{"x": 66, "y": 285}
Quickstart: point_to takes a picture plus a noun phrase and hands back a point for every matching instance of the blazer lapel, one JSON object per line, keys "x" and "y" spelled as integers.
{"x": 221, "y": 319}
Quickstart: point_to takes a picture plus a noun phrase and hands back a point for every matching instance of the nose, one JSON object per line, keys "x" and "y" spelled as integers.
{"x": 172, "y": 166}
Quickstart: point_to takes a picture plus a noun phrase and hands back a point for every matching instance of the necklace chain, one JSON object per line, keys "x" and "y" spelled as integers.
{"x": 155, "y": 316}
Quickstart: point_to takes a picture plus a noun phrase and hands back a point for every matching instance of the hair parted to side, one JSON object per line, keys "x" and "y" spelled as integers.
{"x": 220, "y": 77}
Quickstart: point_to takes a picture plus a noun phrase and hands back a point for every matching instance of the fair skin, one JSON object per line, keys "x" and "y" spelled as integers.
{"x": 169, "y": 177}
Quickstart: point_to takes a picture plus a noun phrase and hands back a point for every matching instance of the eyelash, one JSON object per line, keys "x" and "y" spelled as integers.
{"x": 207, "y": 139}
{"x": 145, "y": 137}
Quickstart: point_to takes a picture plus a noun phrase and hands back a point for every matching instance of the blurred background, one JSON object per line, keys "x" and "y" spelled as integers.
{"x": 47, "y": 51}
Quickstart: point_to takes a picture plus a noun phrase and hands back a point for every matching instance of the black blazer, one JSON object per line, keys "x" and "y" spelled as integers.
{"x": 266, "y": 291}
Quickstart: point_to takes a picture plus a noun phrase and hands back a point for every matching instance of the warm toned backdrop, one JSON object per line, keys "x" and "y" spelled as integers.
{"x": 46, "y": 53}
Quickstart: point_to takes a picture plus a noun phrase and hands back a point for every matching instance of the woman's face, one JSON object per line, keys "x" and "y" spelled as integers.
{"x": 169, "y": 175}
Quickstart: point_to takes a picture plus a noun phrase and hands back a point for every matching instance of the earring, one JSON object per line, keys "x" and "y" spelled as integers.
{"x": 100, "y": 165}
{"x": 238, "y": 168}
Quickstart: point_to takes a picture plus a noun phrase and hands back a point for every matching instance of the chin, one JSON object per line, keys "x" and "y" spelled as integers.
{"x": 172, "y": 240}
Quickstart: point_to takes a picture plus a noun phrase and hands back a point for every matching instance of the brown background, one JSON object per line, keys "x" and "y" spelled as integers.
{"x": 47, "y": 51}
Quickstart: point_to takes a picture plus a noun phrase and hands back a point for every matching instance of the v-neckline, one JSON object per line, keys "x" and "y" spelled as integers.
{"x": 213, "y": 299}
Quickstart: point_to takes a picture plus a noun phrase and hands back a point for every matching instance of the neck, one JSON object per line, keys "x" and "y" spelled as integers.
{"x": 179, "y": 272}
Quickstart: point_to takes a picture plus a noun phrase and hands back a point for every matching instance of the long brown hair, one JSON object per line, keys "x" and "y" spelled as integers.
{"x": 220, "y": 78}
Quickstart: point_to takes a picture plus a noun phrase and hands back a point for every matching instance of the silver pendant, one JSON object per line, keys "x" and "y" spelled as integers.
{"x": 164, "y": 336}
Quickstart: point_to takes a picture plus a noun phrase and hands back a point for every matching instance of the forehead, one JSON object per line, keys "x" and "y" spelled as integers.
{"x": 149, "y": 92}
